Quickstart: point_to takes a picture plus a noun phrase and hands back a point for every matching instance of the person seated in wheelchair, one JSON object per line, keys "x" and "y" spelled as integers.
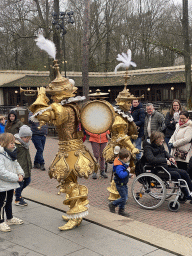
{"x": 156, "y": 155}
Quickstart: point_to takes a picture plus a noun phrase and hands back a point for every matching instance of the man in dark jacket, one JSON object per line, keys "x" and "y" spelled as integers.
{"x": 38, "y": 138}
{"x": 138, "y": 114}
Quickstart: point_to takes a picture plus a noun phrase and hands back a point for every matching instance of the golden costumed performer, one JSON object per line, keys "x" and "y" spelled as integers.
{"x": 124, "y": 130}
{"x": 73, "y": 159}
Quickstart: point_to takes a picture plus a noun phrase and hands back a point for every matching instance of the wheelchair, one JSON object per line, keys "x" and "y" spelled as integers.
{"x": 152, "y": 187}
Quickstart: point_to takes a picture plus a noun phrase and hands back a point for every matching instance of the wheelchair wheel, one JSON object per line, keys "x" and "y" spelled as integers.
{"x": 170, "y": 189}
{"x": 182, "y": 199}
{"x": 148, "y": 191}
{"x": 173, "y": 208}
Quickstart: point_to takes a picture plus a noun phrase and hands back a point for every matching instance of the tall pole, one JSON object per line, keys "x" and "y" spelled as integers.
{"x": 64, "y": 55}
{"x": 56, "y": 34}
{"x": 59, "y": 24}
{"x": 187, "y": 57}
{"x": 85, "y": 57}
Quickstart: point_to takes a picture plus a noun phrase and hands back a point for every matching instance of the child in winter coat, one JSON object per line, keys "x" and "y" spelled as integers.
{"x": 10, "y": 173}
{"x": 121, "y": 170}
{"x": 2, "y": 124}
{"x": 13, "y": 124}
{"x": 24, "y": 159}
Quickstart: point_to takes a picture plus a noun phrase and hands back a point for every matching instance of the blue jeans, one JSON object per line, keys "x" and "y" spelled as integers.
{"x": 123, "y": 192}
{"x": 138, "y": 145}
{"x": 167, "y": 141}
{"x": 39, "y": 143}
{"x": 23, "y": 184}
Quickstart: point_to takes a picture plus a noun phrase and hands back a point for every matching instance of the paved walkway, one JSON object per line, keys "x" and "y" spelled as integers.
{"x": 160, "y": 227}
{"x": 40, "y": 236}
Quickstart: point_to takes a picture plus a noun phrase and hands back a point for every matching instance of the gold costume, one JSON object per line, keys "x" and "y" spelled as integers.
{"x": 73, "y": 158}
{"x": 123, "y": 131}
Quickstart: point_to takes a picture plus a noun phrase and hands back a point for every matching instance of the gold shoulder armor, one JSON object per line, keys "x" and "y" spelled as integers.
{"x": 61, "y": 113}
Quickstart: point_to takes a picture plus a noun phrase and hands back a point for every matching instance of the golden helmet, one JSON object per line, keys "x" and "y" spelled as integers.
{"x": 61, "y": 85}
{"x": 125, "y": 96}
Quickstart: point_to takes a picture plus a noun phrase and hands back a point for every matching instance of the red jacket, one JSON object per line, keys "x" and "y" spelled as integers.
{"x": 99, "y": 138}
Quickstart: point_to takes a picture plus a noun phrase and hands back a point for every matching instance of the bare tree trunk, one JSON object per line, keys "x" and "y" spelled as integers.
{"x": 43, "y": 23}
{"x": 187, "y": 58}
{"x": 85, "y": 57}
{"x": 107, "y": 45}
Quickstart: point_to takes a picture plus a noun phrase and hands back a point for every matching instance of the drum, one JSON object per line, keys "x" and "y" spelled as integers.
{"x": 97, "y": 116}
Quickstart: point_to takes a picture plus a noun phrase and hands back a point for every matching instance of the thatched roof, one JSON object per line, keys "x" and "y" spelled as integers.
{"x": 148, "y": 79}
{"x": 168, "y": 75}
{"x": 8, "y": 78}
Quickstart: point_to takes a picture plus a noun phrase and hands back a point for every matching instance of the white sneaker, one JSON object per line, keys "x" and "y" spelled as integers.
{"x": 4, "y": 227}
{"x": 14, "y": 221}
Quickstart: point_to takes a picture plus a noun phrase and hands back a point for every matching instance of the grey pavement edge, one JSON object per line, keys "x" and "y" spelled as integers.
{"x": 120, "y": 227}
{"x": 39, "y": 235}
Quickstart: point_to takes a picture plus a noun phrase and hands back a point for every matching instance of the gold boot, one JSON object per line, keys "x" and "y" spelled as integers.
{"x": 71, "y": 224}
{"x": 65, "y": 218}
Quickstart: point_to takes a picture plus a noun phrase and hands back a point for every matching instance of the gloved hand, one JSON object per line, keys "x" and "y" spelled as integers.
{"x": 170, "y": 145}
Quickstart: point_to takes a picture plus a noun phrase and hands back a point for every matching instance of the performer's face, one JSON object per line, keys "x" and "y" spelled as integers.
{"x": 126, "y": 106}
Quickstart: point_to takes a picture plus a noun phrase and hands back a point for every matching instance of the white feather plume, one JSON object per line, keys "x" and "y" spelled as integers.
{"x": 46, "y": 45}
{"x": 125, "y": 60}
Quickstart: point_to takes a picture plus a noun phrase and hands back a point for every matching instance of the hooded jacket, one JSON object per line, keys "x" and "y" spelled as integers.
{"x": 23, "y": 156}
{"x": 13, "y": 127}
{"x": 9, "y": 171}
{"x": 121, "y": 172}
{"x": 138, "y": 114}
{"x": 181, "y": 139}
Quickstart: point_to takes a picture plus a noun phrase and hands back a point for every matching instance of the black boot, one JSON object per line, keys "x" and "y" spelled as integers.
{"x": 42, "y": 167}
{"x": 123, "y": 213}
{"x": 36, "y": 166}
{"x": 103, "y": 174}
{"x": 111, "y": 207}
{"x": 94, "y": 176}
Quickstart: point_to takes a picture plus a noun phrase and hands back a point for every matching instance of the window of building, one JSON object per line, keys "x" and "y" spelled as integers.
{"x": 165, "y": 94}
{"x": 183, "y": 94}
{"x": 158, "y": 95}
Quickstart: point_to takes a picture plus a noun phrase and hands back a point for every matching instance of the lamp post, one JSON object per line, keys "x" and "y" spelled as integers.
{"x": 59, "y": 23}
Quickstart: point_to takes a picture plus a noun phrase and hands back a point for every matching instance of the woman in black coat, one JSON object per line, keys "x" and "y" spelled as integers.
{"x": 171, "y": 119}
{"x": 155, "y": 154}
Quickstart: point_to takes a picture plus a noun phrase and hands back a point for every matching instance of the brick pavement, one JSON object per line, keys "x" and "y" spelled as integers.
{"x": 177, "y": 222}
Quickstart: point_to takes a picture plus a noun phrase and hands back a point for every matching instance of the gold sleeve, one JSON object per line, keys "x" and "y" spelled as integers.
{"x": 60, "y": 114}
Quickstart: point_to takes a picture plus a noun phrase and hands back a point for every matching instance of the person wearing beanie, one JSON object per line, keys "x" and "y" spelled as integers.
{"x": 13, "y": 124}
{"x": 23, "y": 157}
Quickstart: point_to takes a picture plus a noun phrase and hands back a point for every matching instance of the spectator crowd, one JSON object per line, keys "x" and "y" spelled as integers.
{"x": 174, "y": 130}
